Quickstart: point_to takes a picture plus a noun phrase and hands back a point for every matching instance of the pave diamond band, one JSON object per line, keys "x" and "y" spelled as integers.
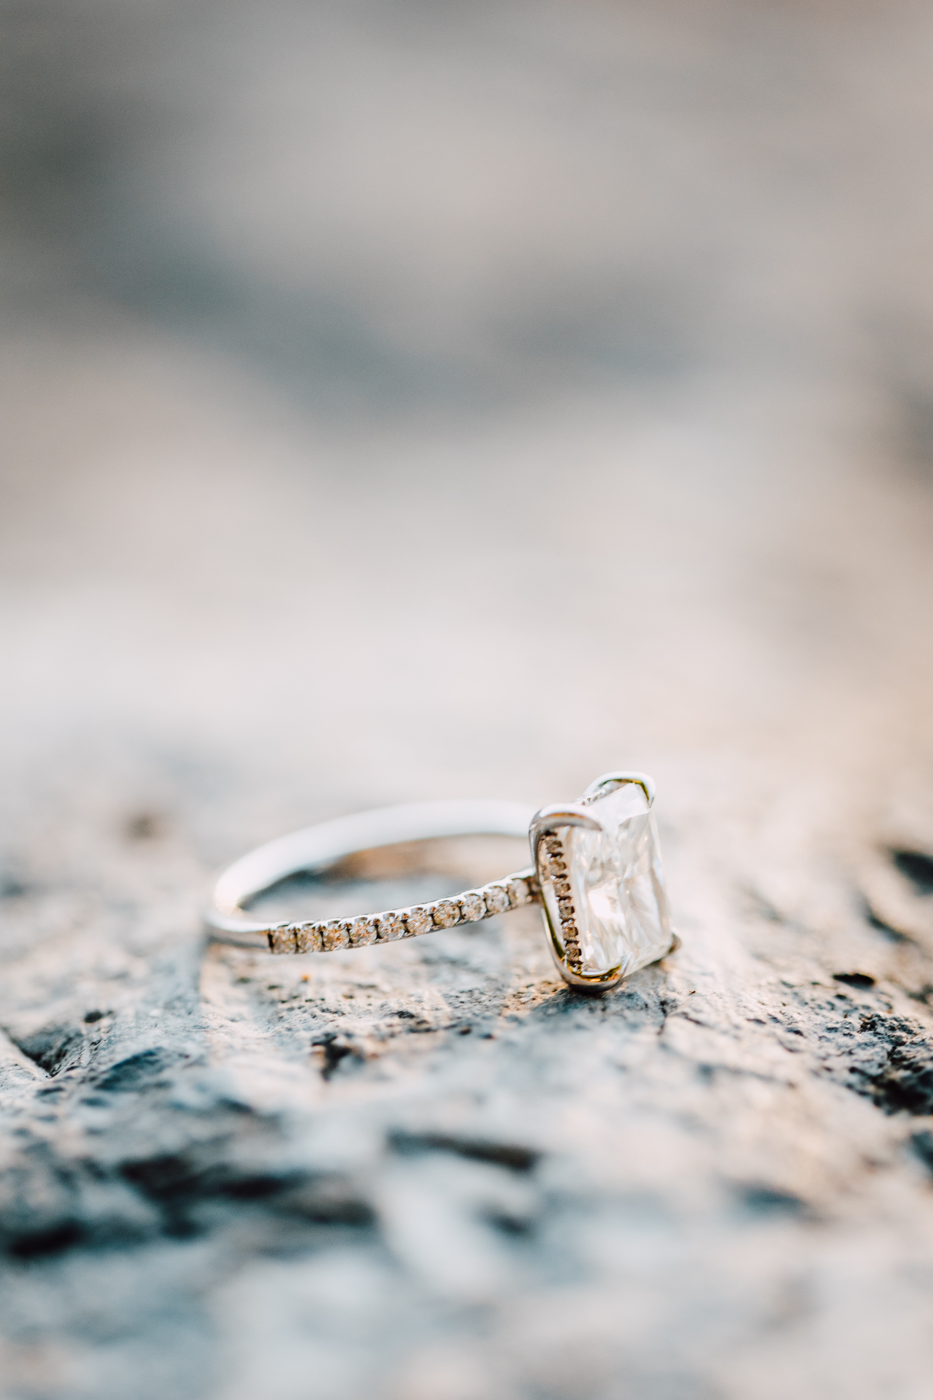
{"x": 318, "y": 850}
{"x": 596, "y": 874}
{"x": 327, "y": 935}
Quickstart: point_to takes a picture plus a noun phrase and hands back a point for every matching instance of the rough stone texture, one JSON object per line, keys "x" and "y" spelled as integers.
{"x": 412, "y": 401}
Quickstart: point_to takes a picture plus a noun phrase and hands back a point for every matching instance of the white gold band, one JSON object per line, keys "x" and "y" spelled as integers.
{"x": 317, "y": 849}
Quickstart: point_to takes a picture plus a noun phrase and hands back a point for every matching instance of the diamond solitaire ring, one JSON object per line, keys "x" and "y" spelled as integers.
{"x": 596, "y": 874}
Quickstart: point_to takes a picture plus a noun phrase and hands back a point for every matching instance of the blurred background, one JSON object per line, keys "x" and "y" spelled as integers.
{"x": 415, "y": 398}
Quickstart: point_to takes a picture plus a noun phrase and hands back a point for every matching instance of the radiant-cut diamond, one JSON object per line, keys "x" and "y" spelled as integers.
{"x": 617, "y": 902}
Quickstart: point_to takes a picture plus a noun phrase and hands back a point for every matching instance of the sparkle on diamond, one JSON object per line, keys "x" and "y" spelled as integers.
{"x": 617, "y": 899}
{"x": 334, "y": 935}
{"x": 473, "y": 906}
{"x": 518, "y": 892}
{"x": 283, "y": 940}
{"x": 391, "y": 926}
{"x": 361, "y": 932}
{"x": 308, "y": 939}
{"x": 617, "y": 884}
{"x": 497, "y": 899}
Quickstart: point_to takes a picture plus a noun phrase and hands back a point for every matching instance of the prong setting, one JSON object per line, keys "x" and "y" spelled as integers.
{"x": 602, "y": 892}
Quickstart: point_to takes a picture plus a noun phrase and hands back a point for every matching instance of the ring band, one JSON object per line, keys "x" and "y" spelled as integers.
{"x": 596, "y": 874}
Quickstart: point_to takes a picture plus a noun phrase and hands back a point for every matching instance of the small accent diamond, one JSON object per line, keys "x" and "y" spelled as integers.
{"x": 334, "y": 935}
{"x": 418, "y": 920}
{"x": 518, "y": 892}
{"x": 497, "y": 898}
{"x": 361, "y": 931}
{"x": 283, "y": 939}
{"x": 446, "y": 913}
{"x": 308, "y": 938}
{"x": 472, "y": 906}
{"x": 391, "y": 927}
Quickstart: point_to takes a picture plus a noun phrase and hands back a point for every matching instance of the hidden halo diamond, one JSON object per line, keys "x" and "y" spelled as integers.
{"x": 602, "y": 888}
{"x": 596, "y": 874}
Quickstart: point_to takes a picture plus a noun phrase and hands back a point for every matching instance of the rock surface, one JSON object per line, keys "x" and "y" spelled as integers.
{"x": 405, "y": 403}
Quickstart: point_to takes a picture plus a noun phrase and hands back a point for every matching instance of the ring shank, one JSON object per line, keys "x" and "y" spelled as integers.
{"x": 318, "y": 848}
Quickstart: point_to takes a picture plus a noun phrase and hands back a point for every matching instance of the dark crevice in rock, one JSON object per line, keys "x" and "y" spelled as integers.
{"x": 500, "y": 1154}
{"x": 917, "y": 867}
{"x": 905, "y": 1080}
{"x": 922, "y": 1144}
{"x": 515, "y": 1226}
{"x": 182, "y": 1184}
{"x": 854, "y": 979}
{"x": 46, "y": 1241}
{"x": 336, "y": 1049}
{"x": 875, "y": 921}
{"x": 178, "y": 1183}
{"x": 136, "y": 1072}
{"x": 36, "y": 1244}
{"x": 771, "y": 1200}
{"x": 707, "y": 1072}
{"x": 53, "y": 1049}
{"x": 50, "y": 1205}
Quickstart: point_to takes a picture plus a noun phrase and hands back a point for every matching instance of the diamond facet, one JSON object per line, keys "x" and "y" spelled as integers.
{"x": 472, "y": 906}
{"x": 361, "y": 932}
{"x": 391, "y": 927}
{"x": 497, "y": 899}
{"x": 283, "y": 939}
{"x": 334, "y": 935}
{"x": 518, "y": 893}
{"x": 418, "y": 920}
{"x": 446, "y": 913}
{"x": 308, "y": 938}
{"x": 617, "y": 907}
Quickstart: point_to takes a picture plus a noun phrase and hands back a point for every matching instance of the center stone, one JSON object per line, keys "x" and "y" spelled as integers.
{"x": 603, "y": 888}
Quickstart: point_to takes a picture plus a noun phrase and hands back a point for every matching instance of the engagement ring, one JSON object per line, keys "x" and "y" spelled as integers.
{"x": 596, "y": 873}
